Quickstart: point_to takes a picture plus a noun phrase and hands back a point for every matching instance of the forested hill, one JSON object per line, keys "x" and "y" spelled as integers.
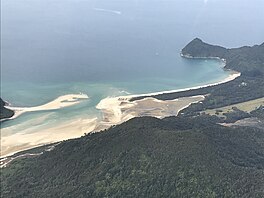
{"x": 249, "y": 86}
{"x": 185, "y": 156}
{"x": 247, "y": 60}
{"x": 198, "y": 48}
{"x": 146, "y": 157}
{"x": 4, "y": 112}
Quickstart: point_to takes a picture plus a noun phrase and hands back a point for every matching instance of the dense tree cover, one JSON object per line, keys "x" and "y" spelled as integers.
{"x": 4, "y": 112}
{"x": 185, "y": 156}
{"x": 197, "y": 48}
{"x": 239, "y": 90}
{"x": 229, "y": 93}
{"x": 247, "y": 60}
{"x": 234, "y": 115}
{"x": 146, "y": 157}
{"x": 259, "y": 112}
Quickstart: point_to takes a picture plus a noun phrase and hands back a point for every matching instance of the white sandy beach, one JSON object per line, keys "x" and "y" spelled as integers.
{"x": 232, "y": 76}
{"x": 120, "y": 109}
{"x": 115, "y": 110}
{"x": 58, "y": 103}
{"x": 30, "y": 138}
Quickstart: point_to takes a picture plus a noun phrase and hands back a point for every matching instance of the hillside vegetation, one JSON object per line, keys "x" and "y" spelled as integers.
{"x": 147, "y": 157}
{"x": 249, "y": 86}
{"x": 191, "y": 155}
{"x": 248, "y": 60}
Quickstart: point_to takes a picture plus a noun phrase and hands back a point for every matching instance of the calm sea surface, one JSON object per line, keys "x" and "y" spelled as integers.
{"x": 107, "y": 48}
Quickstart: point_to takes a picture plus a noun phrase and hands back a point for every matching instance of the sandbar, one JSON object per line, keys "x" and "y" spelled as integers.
{"x": 115, "y": 110}
{"x": 58, "y": 103}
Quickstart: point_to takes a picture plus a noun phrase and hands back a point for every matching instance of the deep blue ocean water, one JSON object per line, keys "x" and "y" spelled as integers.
{"x": 107, "y": 48}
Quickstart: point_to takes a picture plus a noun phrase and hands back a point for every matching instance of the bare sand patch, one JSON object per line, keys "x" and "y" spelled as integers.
{"x": 114, "y": 110}
{"x": 27, "y": 139}
{"x": 121, "y": 109}
{"x": 58, "y": 103}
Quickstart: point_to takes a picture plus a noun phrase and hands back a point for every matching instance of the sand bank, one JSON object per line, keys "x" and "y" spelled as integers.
{"x": 58, "y": 103}
{"x": 114, "y": 110}
{"x": 33, "y": 137}
{"x": 120, "y": 109}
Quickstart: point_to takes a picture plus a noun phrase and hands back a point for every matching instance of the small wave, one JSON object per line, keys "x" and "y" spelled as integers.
{"x": 109, "y": 11}
{"x": 125, "y": 92}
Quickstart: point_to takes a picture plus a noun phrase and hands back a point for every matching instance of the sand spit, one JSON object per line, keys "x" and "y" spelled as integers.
{"x": 120, "y": 109}
{"x": 115, "y": 110}
{"x": 58, "y": 103}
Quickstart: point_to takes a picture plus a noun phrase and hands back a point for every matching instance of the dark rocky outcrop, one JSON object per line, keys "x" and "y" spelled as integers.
{"x": 5, "y": 112}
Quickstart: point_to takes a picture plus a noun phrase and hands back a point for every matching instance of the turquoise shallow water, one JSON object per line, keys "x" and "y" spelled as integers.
{"x": 103, "y": 48}
{"x": 26, "y": 94}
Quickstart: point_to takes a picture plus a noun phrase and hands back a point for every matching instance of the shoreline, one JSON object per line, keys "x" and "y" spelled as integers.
{"x": 28, "y": 139}
{"x": 232, "y": 76}
{"x": 115, "y": 105}
{"x": 118, "y": 110}
{"x": 115, "y": 110}
{"x": 58, "y": 103}
{"x": 202, "y": 57}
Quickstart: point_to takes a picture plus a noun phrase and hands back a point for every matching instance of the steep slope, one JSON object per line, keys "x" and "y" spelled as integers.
{"x": 247, "y": 60}
{"x": 198, "y": 48}
{"x": 147, "y": 157}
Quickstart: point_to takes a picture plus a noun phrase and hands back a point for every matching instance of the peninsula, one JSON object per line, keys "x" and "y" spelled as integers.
{"x": 213, "y": 148}
{"x": 249, "y": 61}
